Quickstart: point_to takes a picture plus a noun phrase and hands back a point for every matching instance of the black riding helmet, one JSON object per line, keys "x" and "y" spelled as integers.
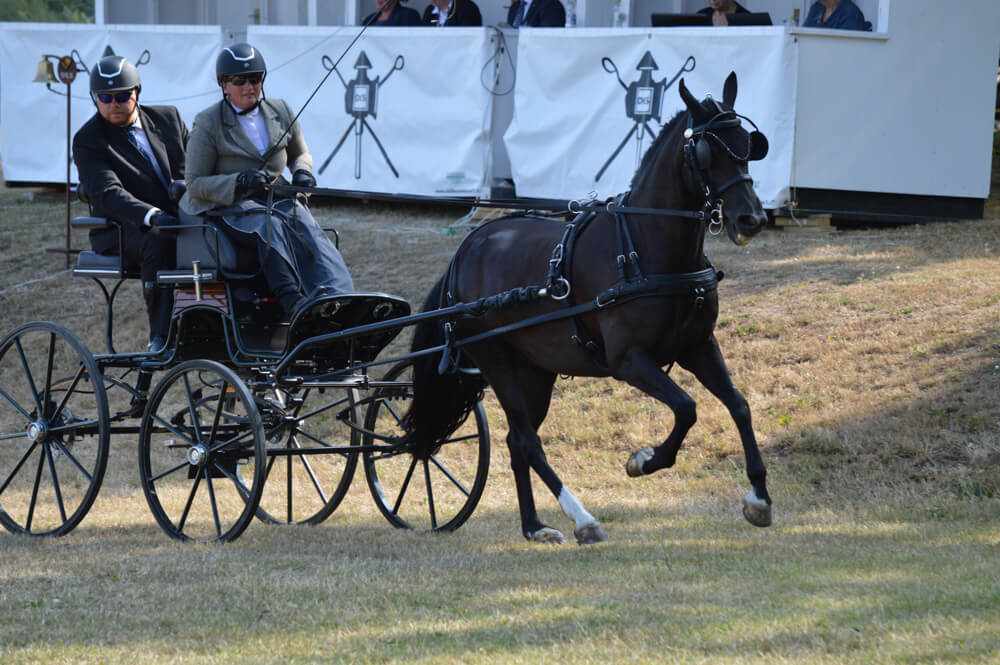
{"x": 113, "y": 73}
{"x": 241, "y": 58}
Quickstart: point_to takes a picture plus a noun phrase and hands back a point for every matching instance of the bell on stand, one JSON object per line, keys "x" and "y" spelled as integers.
{"x": 45, "y": 73}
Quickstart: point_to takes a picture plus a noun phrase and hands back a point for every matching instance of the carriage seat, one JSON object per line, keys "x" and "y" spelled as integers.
{"x": 93, "y": 264}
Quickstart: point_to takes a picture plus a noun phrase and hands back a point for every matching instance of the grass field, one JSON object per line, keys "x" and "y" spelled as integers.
{"x": 871, "y": 360}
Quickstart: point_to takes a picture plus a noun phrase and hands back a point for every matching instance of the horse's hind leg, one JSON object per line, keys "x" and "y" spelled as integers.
{"x": 710, "y": 369}
{"x": 524, "y": 391}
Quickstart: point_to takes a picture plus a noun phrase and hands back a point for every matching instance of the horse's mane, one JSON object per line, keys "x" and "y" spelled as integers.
{"x": 661, "y": 140}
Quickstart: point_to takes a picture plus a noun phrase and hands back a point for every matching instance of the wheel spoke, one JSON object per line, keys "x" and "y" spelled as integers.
{"x": 27, "y": 374}
{"x": 190, "y": 502}
{"x": 47, "y": 388}
{"x": 72, "y": 458}
{"x": 69, "y": 393}
{"x": 430, "y": 495}
{"x": 406, "y": 484}
{"x": 14, "y": 404}
{"x": 289, "y": 490}
{"x": 211, "y": 501}
{"x": 455, "y": 481}
{"x": 55, "y": 482}
{"x": 310, "y": 472}
{"x": 173, "y": 429}
{"x": 192, "y": 409}
{"x": 34, "y": 491}
{"x": 219, "y": 409}
{"x": 17, "y": 467}
{"x": 163, "y": 474}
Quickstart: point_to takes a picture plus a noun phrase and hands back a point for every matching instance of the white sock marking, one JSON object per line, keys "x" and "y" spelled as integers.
{"x": 574, "y": 509}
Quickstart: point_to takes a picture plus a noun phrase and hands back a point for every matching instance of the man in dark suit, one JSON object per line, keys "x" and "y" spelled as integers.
{"x": 127, "y": 155}
{"x": 537, "y": 14}
{"x": 454, "y": 13}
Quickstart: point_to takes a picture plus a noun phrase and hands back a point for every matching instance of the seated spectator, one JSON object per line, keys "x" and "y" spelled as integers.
{"x": 237, "y": 147}
{"x": 717, "y": 10}
{"x": 127, "y": 155}
{"x": 837, "y": 14}
{"x": 537, "y": 14}
{"x": 392, "y": 13}
{"x": 444, "y": 13}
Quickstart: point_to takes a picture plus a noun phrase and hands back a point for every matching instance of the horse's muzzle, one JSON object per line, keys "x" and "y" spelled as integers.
{"x": 747, "y": 226}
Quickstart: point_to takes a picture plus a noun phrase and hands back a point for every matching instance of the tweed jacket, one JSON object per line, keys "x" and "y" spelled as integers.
{"x": 219, "y": 148}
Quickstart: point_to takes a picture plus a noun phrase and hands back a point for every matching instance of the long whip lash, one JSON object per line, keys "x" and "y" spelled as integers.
{"x": 364, "y": 26}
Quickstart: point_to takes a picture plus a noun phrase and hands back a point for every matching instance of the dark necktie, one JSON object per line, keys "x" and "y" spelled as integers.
{"x": 134, "y": 140}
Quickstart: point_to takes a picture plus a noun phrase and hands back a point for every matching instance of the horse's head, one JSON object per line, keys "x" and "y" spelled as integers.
{"x": 718, "y": 149}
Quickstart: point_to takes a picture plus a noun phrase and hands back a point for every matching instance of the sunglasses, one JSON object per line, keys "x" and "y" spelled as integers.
{"x": 243, "y": 79}
{"x": 120, "y": 97}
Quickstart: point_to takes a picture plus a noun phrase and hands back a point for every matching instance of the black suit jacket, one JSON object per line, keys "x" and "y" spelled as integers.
{"x": 463, "y": 13}
{"x": 118, "y": 179}
{"x": 541, "y": 14}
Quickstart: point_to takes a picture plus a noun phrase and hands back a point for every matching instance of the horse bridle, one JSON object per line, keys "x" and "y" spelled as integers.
{"x": 698, "y": 157}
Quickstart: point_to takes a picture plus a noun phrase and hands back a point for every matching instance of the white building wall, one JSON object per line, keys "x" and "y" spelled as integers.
{"x": 910, "y": 112}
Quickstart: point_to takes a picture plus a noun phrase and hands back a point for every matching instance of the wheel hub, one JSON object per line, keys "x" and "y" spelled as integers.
{"x": 198, "y": 455}
{"x": 38, "y": 431}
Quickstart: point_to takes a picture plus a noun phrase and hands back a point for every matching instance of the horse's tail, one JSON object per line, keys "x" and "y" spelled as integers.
{"x": 441, "y": 402}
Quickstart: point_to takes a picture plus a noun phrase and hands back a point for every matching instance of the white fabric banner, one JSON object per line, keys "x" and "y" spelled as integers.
{"x": 404, "y": 111}
{"x": 180, "y": 72}
{"x": 573, "y": 112}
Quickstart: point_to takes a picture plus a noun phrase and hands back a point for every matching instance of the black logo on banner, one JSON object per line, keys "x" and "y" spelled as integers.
{"x": 361, "y": 101}
{"x": 643, "y": 102}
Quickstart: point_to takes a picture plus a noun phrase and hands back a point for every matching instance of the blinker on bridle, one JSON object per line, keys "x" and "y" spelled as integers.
{"x": 698, "y": 154}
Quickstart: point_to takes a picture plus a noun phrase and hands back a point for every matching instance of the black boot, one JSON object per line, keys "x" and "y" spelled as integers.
{"x": 159, "y": 306}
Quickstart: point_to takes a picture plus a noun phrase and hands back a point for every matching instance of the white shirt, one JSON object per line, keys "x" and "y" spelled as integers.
{"x": 255, "y": 127}
{"x": 442, "y": 16}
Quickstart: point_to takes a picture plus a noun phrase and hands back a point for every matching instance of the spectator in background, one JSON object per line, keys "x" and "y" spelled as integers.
{"x": 537, "y": 14}
{"x": 392, "y": 13}
{"x": 837, "y": 14}
{"x": 444, "y": 13}
{"x": 717, "y": 10}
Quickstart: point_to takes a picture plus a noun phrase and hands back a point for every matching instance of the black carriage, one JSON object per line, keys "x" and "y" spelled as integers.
{"x": 243, "y": 414}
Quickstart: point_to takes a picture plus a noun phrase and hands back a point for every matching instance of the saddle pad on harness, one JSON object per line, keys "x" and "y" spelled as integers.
{"x": 339, "y": 313}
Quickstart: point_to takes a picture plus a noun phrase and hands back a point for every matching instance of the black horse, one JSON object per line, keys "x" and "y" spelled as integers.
{"x": 644, "y": 295}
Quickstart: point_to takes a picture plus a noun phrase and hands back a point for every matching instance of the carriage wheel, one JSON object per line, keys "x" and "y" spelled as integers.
{"x": 201, "y": 453}
{"x": 437, "y": 494}
{"x": 54, "y": 430}
{"x": 308, "y": 468}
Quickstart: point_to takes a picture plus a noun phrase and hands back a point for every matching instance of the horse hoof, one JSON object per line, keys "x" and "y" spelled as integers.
{"x": 547, "y": 536}
{"x": 757, "y": 511}
{"x": 635, "y": 461}
{"x": 590, "y": 534}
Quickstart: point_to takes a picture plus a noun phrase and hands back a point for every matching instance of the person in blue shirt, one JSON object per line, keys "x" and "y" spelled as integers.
{"x": 837, "y": 14}
{"x": 392, "y": 13}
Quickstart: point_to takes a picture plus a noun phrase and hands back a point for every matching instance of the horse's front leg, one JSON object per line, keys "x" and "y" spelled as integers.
{"x": 710, "y": 369}
{"x": 641, "y": 371}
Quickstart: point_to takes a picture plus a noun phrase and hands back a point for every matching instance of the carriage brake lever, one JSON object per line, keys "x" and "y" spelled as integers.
{"x": 196, "y": 278}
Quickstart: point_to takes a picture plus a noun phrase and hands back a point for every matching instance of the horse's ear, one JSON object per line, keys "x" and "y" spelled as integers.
{"x": 729, "y": 90}
{"x": 692, "y": 104}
